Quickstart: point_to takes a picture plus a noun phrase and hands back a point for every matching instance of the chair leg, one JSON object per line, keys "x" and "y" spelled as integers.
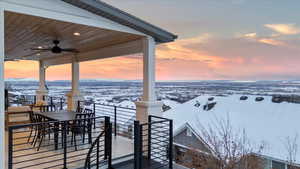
{"x": 49, "y": 134}
{"x": 72, "y": 138}
{"x": 94, "y": 123}
{"x": 62, "y": 140}
{"x": 31, "y": 129}
{"x": 83, "y": 137}
{"x": 41, "y": 140}
{"x": 38, "y": 136}
{"x": 34, "y": 137}
{"x": 75, "y": 142}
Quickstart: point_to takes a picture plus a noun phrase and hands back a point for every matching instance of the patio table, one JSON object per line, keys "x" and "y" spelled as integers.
{"x": 63, "y": 115}
{"x": 60, "y": 116}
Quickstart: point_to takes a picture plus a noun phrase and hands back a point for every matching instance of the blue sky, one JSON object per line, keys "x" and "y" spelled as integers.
{"x": 223, "y": 17}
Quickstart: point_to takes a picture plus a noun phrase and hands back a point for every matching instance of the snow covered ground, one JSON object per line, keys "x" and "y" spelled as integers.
{"x": 264, "y": 122}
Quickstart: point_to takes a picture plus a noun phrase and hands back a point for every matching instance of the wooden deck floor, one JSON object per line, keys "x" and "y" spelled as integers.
{"x": 27, "y": 157}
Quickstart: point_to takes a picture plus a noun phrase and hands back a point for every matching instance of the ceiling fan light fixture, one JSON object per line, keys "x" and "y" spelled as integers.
{"x": 76, "y": 34}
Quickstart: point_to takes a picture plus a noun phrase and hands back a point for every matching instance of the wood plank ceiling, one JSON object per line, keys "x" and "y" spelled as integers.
{"x": 23, "y": 32}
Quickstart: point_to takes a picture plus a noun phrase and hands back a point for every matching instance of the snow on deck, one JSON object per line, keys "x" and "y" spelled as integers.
{"x": 263, "y": 121}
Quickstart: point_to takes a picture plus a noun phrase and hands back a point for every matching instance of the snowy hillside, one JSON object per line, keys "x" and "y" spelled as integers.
{"x": 263, "y": 121}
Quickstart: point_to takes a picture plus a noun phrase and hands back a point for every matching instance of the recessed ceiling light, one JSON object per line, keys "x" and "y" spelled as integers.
{"x": 76, "y": 33}
{"x": 40, "y": 47}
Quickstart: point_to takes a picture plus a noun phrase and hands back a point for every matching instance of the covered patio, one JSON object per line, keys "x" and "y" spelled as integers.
{"x": 56, "y": 32}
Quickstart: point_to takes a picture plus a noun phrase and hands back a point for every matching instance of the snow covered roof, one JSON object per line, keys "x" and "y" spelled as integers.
{"x": 263, "y": 121}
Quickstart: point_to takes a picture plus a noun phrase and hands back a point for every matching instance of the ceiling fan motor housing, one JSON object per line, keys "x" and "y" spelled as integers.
{"x": 56, "y": 49}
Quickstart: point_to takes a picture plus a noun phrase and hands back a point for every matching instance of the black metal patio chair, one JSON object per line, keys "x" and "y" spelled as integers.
{"x": 43, "y": 128}
{"x": 93, "y": 115}
{"x": 81, "y": 126}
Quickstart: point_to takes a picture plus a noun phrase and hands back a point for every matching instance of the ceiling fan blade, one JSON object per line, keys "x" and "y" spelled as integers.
{"x": 10, "y": 60}
{"x": 38, "y": 49}
{"x": 70, "y": 50}
{"x": 34, "y": 53}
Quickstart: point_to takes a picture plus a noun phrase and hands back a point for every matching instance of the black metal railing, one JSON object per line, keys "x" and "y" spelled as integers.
{"x": 122, "y": 118}
{"x": 153, "y": 143}
{"x": 99, "y": 154}
{"x": 52, "y": 144}
{"x": 59, "y": 102}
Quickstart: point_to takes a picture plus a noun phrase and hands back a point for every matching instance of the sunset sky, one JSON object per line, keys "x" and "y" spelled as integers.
{"x": 218, "y": 39}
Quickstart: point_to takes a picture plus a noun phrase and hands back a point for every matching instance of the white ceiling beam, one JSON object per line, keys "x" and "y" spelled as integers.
{"x": 123, "y": 49}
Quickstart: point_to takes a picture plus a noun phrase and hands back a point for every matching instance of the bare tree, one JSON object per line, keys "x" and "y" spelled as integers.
{"x": 230, "y": 149}
{"x": 291, "y": 145}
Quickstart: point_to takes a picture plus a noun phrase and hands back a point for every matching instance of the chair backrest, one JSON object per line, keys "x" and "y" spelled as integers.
{"x": 82, "y": 119}
{"x": 88, "y": 111}
{"x": 32, "y": 117}
{"x": 47, "y": 108}
{"x": 37, "y": 118}
{"x": 79, "y": 110}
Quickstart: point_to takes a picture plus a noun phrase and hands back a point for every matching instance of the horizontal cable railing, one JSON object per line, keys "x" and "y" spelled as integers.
{"x": 122, "y": 118}
{"x": 60, "y": 144}
{"x": 153, "y": 143}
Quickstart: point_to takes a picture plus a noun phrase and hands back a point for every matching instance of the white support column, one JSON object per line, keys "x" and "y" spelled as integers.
{"x": 3, "y": 143}
{"x": 42, "y": 91}
{"x": 74, "y": 95}
{"x": 149, "y": 105}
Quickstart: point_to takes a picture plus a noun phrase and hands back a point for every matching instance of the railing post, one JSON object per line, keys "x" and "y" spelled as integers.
{"x": 51, "y": 100}
{"x": 94, "y": 120}
{"x": 61, "y": 103}
{"x": 106, "y": 139}
{"x": 115, "y": 120}
{"x": 98, "y": 154}
{"x": 10, "y": 148}
{"x": 171, "y": 145}
{"x": 51, "y": 103}
{"x": 34, "y": 99}
{"x": 149, "y": 137}
{"x": 6, "y": 99}
{"x": 137, "y": 145}
{"x": 78, "y": 105}
{"x": 94, "y": 107}
{"x": 64, "y": 130}
{"x": 110, "y": 146}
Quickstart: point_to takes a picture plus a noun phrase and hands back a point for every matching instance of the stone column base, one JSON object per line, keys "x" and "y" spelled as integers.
{"x": 144, "y": 109}
{"x": 40, "y": 93}
{"x": 73, "y": 98}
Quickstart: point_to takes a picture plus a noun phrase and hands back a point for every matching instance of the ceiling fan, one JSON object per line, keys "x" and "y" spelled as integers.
{"x": 56, "y": 49}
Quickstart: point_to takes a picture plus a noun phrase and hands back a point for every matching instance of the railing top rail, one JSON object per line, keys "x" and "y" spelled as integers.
{"x": 156, "y": 122}
{"x": 108, "y": 105}
{"x": 159, "y": 117}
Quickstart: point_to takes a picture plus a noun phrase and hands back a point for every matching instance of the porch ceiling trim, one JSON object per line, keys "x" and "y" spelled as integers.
{"x": 121, "y": 17}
